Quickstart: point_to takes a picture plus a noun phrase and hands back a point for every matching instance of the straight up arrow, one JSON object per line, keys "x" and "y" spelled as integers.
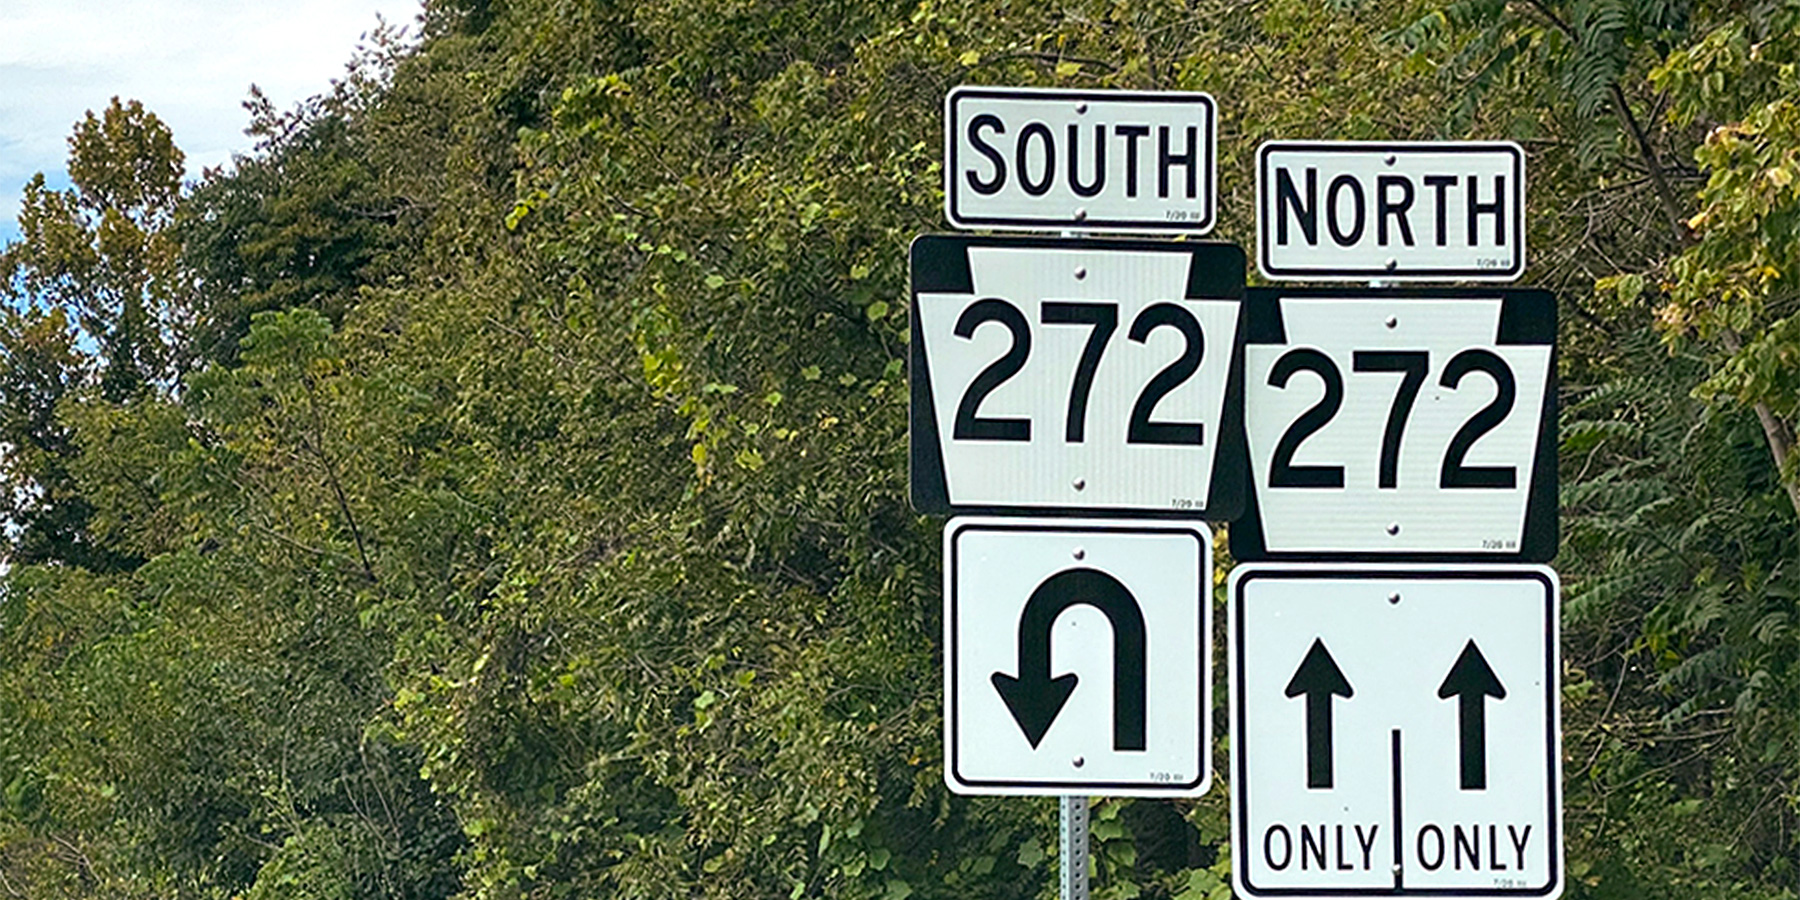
{"x": 1035, "y": 698}
{"x": 1472, "y": 681}
{"x": 1319, "y": 679}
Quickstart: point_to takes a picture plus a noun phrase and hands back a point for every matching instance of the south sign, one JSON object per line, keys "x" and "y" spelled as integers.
{"x": 1353, "y": 211}
{"x": 1098, "y": 161}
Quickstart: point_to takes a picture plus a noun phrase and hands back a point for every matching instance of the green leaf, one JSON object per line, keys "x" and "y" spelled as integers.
{"x": 1030, "y": 854}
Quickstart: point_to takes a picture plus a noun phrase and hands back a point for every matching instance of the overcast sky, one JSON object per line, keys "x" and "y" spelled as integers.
{"x": 190, "y": 61}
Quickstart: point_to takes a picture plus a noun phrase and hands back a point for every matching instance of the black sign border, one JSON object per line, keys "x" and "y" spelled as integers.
{"x": 1203, "y": 737}
{"x": 952, "y": 195}
{"x": 1240, "y": 808}
{"x": 940, "y": 264}
{"x": 1264, "y": 243}
{"x": 1527, "y": 316}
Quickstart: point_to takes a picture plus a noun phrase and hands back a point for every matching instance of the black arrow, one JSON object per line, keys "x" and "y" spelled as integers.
{"x": 1471, "y": 680}
{"x": 1035, "y": 698}
{"x": 1318, "y": 678}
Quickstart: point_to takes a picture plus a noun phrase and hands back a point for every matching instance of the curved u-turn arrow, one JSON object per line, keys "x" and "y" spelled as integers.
{"x": 1035, "y": 698}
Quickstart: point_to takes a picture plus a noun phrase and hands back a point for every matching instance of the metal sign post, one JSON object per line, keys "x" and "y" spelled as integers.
{"x": 1074, "y": 847}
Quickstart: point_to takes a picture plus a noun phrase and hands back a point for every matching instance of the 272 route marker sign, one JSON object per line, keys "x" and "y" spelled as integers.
{"x": 1077, "y": 657}
{"x": 1400, "y": 421}
{"x": 1395, "y": 731}
{"x": 1064, "y": 375}
{"x": 1355, "y": 211}
{"x": 1102, "y": 161}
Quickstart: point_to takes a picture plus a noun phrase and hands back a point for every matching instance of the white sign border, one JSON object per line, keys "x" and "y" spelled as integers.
{"x": 1070, "y": 223}
{"x": 1507, "y": 275}
{"x": 1048, "y": 788}
{"x": 1553, "y": 702}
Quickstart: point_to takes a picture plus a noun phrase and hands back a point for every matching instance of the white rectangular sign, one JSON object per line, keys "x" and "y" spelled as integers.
{"x": 1085, "y": 375}
{"x": 1356, "y": 211}
{"x": 1400, "y": 421}
{"x": 1077, "y": 657}
{"x": 1045, "y": 160}
{"x": 1395, "y": 730}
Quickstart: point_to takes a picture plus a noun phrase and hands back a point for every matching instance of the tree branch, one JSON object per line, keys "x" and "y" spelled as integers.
{"x": 1665, "y": 196}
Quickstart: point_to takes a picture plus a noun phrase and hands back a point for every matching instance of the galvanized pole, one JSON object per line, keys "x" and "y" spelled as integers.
{"x": 1074, "y": 847}
{"x": 1074, "y": 842}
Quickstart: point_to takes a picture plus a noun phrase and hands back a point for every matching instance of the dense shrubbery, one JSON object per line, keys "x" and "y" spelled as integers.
{"x": 495, "y": 485}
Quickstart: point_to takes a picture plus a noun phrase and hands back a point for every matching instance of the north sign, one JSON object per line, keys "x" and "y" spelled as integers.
{"x": 1395, "y": 731}
{"x": 1099, "y": 161}
{"x": 1409, "y": 422}
{"x": 1077, "y": 657}
{"x": 1066, "y": 375}
{"x": 1410, "y": 211}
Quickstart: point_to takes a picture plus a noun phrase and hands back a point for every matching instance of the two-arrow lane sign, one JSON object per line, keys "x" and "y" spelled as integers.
{"x": 1470, "y": 680}
{"x": 1395, "y": 731}
{"x": 1077, "y": 657}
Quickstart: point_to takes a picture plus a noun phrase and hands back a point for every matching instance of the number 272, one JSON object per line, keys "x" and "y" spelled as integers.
{"x": 1412, "y": 366}
{"x": 1102, "y": 320}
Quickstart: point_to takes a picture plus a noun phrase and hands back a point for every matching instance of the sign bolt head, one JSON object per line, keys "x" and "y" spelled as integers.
{"x": 1393, "y": 321}
{"x": 1389, "y": 159}
{"x": 1393, "y": 528}
{"x": 1080, "y": 272}
{"x": 1392, "y": 264}
{"x": 1081, "y": 485}
{"x": 1079, "y": 761}
{"x": 1080, "y": 553}
{"x": 1081, "y": 215}
{"x": 1397, "y": 868}
{"x": 1395, "y": 596}
{"x": 1081, "y": 109}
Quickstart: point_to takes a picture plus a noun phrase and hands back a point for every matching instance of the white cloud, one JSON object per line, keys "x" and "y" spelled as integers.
{"x": 191, "y": 62}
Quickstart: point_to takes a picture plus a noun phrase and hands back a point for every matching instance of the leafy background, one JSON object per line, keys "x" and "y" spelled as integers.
{"x": 493, "y": 486}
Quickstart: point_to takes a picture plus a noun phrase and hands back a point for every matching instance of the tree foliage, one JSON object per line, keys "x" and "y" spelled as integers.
{"x": 493, "y": 485}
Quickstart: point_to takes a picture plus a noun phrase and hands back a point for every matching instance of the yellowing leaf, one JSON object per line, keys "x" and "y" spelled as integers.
{"x": 1066, "y": 69}
{"x": 970, "y": 58}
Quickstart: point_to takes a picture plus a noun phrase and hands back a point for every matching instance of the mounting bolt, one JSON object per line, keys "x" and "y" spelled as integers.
{"x": 1394, "y": 597}
{"x": 1079, "y": 761}
{"x": 1392, "y": 264}
{"x": 1389, "y": 159}
{"x": 1397, "y": 868}
{"x": 1080, "y": 272}
{"x": 1080, "y": 553}
{"x": 1081, "y": 215}
{"x": 1081, "y": 485}
{"x": 1393, "y": 528}
{"x": 1081, "y": 109}
{"x": 1393, "y": 321}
